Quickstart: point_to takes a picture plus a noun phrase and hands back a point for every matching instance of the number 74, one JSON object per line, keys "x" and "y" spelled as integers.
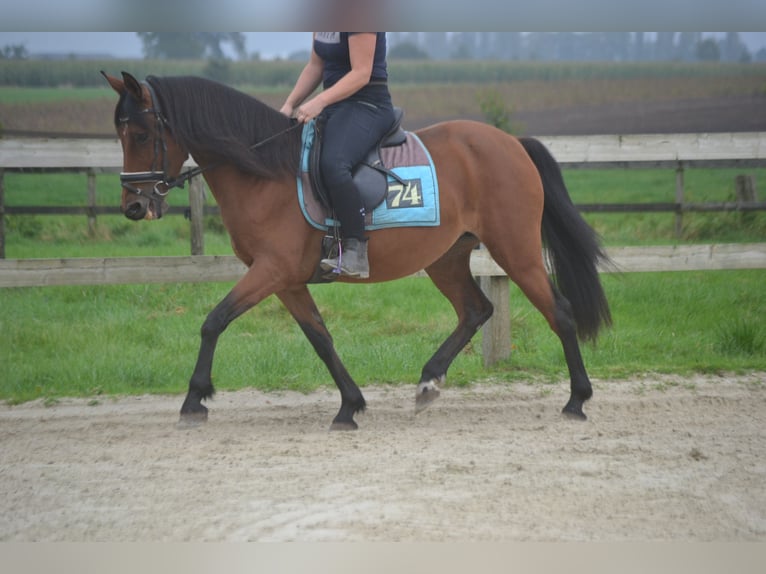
{"x": 405, "y": 195}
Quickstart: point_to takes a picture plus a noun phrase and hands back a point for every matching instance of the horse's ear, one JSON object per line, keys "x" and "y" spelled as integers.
{"x": 133, "y": 86}
{"x": 117, "y": 84}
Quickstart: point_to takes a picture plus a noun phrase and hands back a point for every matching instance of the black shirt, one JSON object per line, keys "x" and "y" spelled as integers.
{"x": 332, "y": 47}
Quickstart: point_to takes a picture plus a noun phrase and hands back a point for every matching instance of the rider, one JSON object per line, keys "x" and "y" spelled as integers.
{"x": 356, "y": 104}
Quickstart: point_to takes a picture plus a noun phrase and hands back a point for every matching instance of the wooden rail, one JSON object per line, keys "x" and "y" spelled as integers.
{"x": 745, "y": 149}
{"x": 224, "y": 268}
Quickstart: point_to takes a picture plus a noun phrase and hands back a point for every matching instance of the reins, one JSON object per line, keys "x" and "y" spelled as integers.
{"x": 195, "y": 171}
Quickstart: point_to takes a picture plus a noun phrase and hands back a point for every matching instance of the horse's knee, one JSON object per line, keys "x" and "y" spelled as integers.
{"x": 217, "y": 320}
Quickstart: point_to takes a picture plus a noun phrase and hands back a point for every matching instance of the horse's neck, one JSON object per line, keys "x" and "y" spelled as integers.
{"x": 261, "y": 216}
{"x": 236, "y": 190}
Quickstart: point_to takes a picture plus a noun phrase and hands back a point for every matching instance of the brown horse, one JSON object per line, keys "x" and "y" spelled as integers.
{"x": 504, "y": 192}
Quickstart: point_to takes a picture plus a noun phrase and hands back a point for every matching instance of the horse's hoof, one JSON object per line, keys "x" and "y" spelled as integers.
{"x": 573, "y": 411}
{"x": 192, "y": 420}
{"x": 426, "y": 394}
{"x": 343, "y": 426}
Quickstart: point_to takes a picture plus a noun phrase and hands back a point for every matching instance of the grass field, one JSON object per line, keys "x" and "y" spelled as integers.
{"x": 85, "y": 73}
{"x": 72, "y": 97}
{"x": 94, "y": 341}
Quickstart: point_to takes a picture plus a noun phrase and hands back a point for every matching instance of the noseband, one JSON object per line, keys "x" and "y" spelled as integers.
{"x": 131, "y": 179}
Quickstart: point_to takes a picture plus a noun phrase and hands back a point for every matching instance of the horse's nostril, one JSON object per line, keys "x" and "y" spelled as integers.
{"x": 135, "y": 211}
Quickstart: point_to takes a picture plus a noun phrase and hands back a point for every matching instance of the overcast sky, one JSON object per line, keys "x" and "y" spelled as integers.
{"x": 128, "y": 45}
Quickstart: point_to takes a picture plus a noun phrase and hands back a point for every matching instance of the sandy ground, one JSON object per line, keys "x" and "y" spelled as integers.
{"x": 670, "y": 459}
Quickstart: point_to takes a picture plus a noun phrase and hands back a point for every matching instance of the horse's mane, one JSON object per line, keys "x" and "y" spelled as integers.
{"x": 215, "y": 120}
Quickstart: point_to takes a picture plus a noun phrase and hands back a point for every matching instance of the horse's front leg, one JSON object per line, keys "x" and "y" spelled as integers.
{"x": 301, "y": 305}
{"x": 249, "y": 291}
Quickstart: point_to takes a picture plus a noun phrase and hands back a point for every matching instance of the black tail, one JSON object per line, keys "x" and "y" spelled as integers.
{"x": 574, "y": 249}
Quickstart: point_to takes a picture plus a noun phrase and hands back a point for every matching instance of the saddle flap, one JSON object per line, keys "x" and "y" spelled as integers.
{"x": 372, "y": 184}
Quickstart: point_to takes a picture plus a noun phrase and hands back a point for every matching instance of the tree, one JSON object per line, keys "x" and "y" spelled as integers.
{"x": 190, "y": 45}
{"x": 463, "y": 46}
{"x": 687, "y": 44}
{"x": 496, "y": 112}
{"x": 708, "y": 50}
{"x": 407, "y": 51}
{"x": 14, "y": 52}
{"x": 733, "y": 49}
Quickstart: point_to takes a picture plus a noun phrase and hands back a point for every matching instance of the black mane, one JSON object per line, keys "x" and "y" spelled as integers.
{"x": 214, "y": 120}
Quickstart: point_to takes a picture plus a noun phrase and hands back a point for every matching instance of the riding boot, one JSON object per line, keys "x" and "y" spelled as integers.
{"x": 351, "y": 260}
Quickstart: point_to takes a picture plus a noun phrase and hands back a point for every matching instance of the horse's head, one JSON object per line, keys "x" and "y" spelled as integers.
{"x": 151, "y": 157}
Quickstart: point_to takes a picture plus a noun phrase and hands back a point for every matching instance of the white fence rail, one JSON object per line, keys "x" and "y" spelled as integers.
{"x": 223, "y": 268}
{"x": 706, "y": 149}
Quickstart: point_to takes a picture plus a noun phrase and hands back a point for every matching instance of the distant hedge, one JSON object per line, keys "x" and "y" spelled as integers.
{"x": 491, "y": 71}
{"x": 83, "y": 73}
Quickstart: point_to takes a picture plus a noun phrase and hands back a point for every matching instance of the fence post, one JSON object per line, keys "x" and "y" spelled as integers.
{"x": 679, "y": 227}
{"x": 746, "y": 193}
{"x": 196, "y": 215}
{"x": 91, "y": 203}
{"x": 2, "y": 213}
{"x": 496, "y": 333}
{"x": 745, "y": 186}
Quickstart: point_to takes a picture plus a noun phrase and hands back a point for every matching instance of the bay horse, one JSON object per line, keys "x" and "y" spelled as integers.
{"x": 505, "y": 192}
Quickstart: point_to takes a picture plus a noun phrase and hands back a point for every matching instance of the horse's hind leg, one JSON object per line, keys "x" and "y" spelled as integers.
{"x": 528, "y": 272}
{"x": 302, "y": 307}
{"x": 452, "y": 276}
{"x": 581, "y": 389}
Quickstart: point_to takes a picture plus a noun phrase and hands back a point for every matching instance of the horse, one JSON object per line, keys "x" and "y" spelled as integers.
{"x": 504, "y": 192}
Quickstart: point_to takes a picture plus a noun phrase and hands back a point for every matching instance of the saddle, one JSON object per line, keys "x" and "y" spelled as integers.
{"x": 396, "y": 181}
{"x": 370, "y": 176}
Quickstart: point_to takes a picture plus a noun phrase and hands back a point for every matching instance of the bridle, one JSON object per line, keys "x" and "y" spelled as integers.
{"x": 130, "y": 179}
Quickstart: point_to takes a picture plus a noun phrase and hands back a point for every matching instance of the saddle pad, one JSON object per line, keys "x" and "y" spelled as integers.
{"x": 415, "y": 204}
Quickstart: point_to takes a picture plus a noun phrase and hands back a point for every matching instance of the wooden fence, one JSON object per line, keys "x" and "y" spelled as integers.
{"x": 668, "y": 151}
{"x": 223, "y": 268}
{"x": 677, "y": 152}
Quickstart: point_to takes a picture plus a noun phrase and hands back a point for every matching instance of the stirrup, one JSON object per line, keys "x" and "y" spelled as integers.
{"x": 356, "y": 254}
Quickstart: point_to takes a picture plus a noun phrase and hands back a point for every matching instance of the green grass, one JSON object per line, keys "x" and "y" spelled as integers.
{"x": 30, "y": 236}
{"x": 41, "y": 73}
{"x": 658, "y": 185}
{"x": 744, "y": 336}
{"x": 135, "y": 339}
{"x": 21, "y": 95}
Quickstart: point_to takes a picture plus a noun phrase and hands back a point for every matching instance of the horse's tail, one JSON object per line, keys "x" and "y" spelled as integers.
{"x": 573, "y": 247}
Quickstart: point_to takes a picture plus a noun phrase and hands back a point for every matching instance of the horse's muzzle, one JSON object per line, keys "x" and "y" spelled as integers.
{"x": 136, "y": 210}
{"x": 141, "y": 207}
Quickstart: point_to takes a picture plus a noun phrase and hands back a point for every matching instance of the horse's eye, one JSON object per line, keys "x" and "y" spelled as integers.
{"x": 141, "y": 138}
